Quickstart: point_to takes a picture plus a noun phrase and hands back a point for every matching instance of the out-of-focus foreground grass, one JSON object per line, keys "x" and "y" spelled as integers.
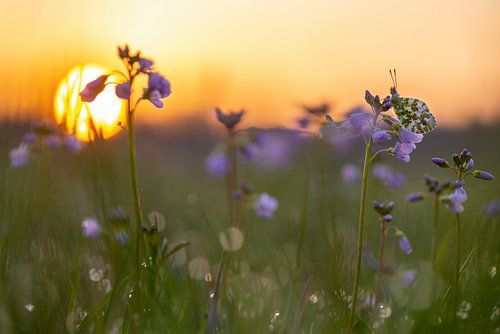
{"x": 54, "y": 280}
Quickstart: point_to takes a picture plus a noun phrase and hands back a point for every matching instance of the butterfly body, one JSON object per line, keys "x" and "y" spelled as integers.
{"x": 413, "y": 114}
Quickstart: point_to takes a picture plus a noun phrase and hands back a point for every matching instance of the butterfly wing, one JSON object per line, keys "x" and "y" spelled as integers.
{"x": 414, "y": 115}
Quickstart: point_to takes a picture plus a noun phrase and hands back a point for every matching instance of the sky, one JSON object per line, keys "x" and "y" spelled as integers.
{"x": 267, "y": 57}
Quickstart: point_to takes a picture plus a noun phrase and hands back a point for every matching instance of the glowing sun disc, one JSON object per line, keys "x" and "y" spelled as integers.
{"x": 83, "y": 119}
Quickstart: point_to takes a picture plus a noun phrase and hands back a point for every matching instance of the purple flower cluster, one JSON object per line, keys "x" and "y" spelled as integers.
{"x": 265, "y": 206}
{"x": 158, "y": 87}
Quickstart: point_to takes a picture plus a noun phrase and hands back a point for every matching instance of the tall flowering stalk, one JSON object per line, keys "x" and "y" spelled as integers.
{"x": 158, "y": 88}
{"x": 376, "y": 128}
{"x": 463, "y": 166}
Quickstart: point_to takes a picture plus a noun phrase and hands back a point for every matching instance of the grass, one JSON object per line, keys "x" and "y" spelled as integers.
{"x": 294, "y": 273}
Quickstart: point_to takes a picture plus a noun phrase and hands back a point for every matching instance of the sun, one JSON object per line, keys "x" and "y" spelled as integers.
{"x": 86, "y": 120}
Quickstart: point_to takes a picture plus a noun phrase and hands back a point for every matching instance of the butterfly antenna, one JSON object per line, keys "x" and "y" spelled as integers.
{"x": 392, "y": 78}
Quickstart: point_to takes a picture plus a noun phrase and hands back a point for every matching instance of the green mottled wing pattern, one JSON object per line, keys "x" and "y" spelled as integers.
{"x": 414, "y": 114}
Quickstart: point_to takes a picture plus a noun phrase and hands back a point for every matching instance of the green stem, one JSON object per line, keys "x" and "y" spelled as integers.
{"x": 457, "y": 271}
{"x": 380, "y": 261}
{"x": 434, "y": 229}
{"x": 361, "y": 226}
{"x": 133, "y": 179}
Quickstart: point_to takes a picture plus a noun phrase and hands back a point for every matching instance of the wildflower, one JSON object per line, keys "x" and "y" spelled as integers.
{"x": 456, "y": 200}
{"x": 91, "y": 228}
{"x": 250, "y": 151}
{"x": 123, "y": 90}
{"x": 404, "y": 243}
{"x": 158, "y": 88}
{"x": 409, "y": 277}
{"x": 389, "y": 177}
{"x": 73, "y": 144}
{"x": 360, "y": 121}
{"x": 275, "y": 149}
{"x": 408, "y": 137}
{"x": 383, "y": 208}
{"x": 492, "y": 209}
{"x": 52, "y": 141}
{"x": 440, "y": 162}
{"x": 217, "y": 164}
{"x": 19, "y": 156}
{"x": 402, "y": 151}
{"x": 93, "y": 88}
{"x": 145, "y": 65}
{"x": 480, "y": 174}
{"x": 230, "y": 120}
{"x": 350, "y": 173}
{"x": 265, "y": 206}
{"x": 414, "y": 197}
{"x": 121, "y": 237}
{"x": 387, "y": 218}
{"x": 381, "y": 137}
{"x": 29, "y": 137}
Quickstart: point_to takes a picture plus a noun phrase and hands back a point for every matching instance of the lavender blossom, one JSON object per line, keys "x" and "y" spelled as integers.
{"x": 388, "y": 218}
{"x": 123, "y": 90}
{"x": 440, "y": 162}
{"x": 265, "y": 206}
{"x": 381, "y": 137}
{"x": 19, "y": 156}
{"x": 360, "y": 121}
{"x": 93, "y": 88}
{"x": 73, "y": 144}
{"x": 408, "y": 137}
{"x": 402, "y": 151}
{"x": 217, "y": 164}
{"x": 158, "y": 88}
{"x": 404, "y": 243}
{"x": 456, "y": 200}
{"x": 481, "y": 174}
{"x": 350, "y": 173}
{"x": 145, "y": 65}
{"x": 414, "y": 197}
{"x": 91, "y": 228}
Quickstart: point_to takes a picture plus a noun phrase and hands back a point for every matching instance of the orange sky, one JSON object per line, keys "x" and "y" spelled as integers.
{"x": 264, "y": 56}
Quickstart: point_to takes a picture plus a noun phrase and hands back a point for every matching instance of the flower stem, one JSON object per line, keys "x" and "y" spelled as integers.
{"x": 434, "y": 229}
{"x": 380, "y": 261}
{"x": 133, "y": 179}
{"x": 457, "y": 271}
{"x": 361, "y": 226}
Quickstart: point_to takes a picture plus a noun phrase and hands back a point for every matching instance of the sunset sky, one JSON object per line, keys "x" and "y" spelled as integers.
{"x": 268, "y": 57}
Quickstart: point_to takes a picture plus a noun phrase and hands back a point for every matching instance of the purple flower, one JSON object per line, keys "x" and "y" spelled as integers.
{"x": 121, "y": 238}
{"x": 19, "y": 156}
{"x": 408, "y": 137}
{"x": 217, "y": 164}
{"x": 492, "y": 209}
{"x": 360, "y": 121}
{"x": 250, "y": 151}
{"x": 52, "y": 141}
{"x": 350, "y": 173}
{"x": 388, "y": 218}
{"x": 402, "y": 151}
{"x": 381, "y": 137}
{"x": 481, "y": 174}
{"x": 145, "y": 65}
{"x": 369, "y": 98}
{"x": 389, "y": 177}
{"x": 275, "y": 149}
{"x": 123, "y": 90}
{"x": 440, "y": 162}
{"x": 414, "y": 197}
{"x": 409, "y": 277}
{"x": 93, "y": 88}
{"x": 91, "y": 228}
{"x": 404, "y": 243}
{"x": 265, "y": 206}
{"x": 470, "y": 164}
{"x": 230, "y": 120}
{"x": 73, "y": 144}
{"x": 158, "y": 88}
{"x": 29, "y": 137}
{"x": 456, "y": 200}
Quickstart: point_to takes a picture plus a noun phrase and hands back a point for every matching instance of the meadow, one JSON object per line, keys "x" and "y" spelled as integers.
{"x": 293, "y": 273}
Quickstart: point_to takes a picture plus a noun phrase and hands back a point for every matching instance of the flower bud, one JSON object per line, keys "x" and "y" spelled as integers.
{"x": 369, "y": 98}
{"x": 414, "y": 197}
{"x": 483, "y": 175}
{"x": 388, "y": 218}
{"x": 440, "y": 162}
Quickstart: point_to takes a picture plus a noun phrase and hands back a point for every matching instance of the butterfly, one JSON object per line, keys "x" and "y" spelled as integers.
{"x": 413, "y": 114}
